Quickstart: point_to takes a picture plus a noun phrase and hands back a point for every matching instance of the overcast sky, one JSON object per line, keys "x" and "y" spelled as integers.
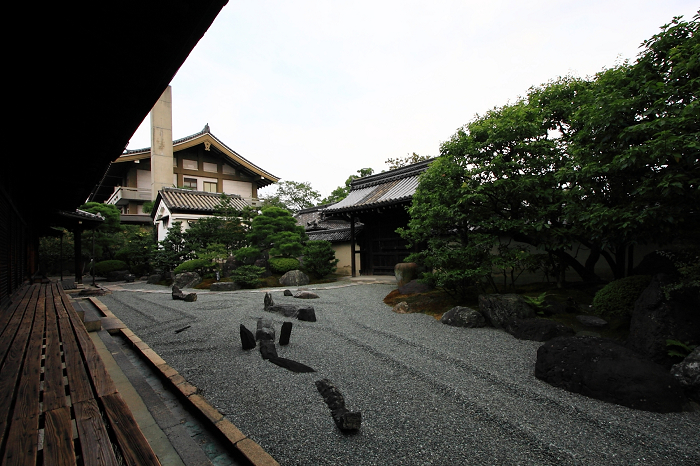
{"x": 315, "y": 90}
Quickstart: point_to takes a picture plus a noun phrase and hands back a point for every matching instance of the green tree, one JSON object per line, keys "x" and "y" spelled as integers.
{"x": 172, "y": 250}
{"x": 319, "y": 258}
{"x": 341, "y": 192}
{"x": 293, "y": 196}
{"x": 635, "y": 170}
{"x": 137, "y": 250}
{"x": 109, "y": 236}
{"x": 276, "y": 231}
{"x": 404, "y": 161}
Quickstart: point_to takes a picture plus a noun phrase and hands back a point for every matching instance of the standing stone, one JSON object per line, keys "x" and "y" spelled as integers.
{"x": 264, "y": 330}
{"x": 405, "y": 272}
{"x": 268, "y": 303}
{"x": 247, "y": 338}
{"x": 187, "y": 280}
{"x": 294, "y": 278}
{"x": 285, "y": 333}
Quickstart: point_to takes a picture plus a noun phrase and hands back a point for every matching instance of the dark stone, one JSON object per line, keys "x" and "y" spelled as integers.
{"x": 688, "y": 374}
{"x": 129, "y": 277}
{"x": 285, "y": 333}
{"x": 291, "y": 365}
{"x": 268, "y": 302}
{"x": 267, "y": 349}
{"x": 414, "y": 286}
{"x": 460, "y": 316}
{"x": 538, "y": 329}
{"x": 306, "y": 314}
{"x": 656, "y": 319}
{"x": 178, "y": 294}
{"x": 405, "y": 272}
{"x": 501, "y": 309}
{"x": 265, "y": 330}
{"x": 305, "y": 295}
{"x": 343, "y": 418}
{"x": 287, "y": 310}
{"x": 294, "y": 278}
{"x": 247, "y": 338}
{"x": 288, "y": 293}
{"x": 592, "y": 321}
{"x": 229, "y": 266}
{"x": 154, "y": 279}
{"x": 187, "y": 280}
{"x": 224, "y": 286}
{"x": 604, "y": 370}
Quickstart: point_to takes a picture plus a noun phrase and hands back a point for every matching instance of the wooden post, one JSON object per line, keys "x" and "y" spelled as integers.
{"x": 352, "y": 244}
{"x": 77, "y": 241}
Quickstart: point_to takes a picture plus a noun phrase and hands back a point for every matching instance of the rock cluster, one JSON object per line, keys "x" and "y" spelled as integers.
{"x": 305, "y": 313}
{"x": 178, "y": 294}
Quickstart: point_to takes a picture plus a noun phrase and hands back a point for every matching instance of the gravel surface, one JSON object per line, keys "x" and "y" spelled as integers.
{"x": 429, "y": 394}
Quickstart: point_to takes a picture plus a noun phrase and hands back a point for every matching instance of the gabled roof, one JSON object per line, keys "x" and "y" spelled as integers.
{"x": 383, "y": 189}
{"x": 199, "y": 138}
{"x": 186, "y": 200}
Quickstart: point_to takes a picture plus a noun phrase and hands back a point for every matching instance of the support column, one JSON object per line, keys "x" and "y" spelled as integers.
{"x": 352, "y": 244}
{"x": 77, "y": 242}
{"x": 162, "y": 143}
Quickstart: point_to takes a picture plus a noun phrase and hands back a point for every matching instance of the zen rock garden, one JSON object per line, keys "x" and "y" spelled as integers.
{"x": 638, "y": 373}
{"x": 264, "y": 340}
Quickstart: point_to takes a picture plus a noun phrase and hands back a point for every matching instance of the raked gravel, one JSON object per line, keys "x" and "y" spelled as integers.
{"x": 430, "y": 394}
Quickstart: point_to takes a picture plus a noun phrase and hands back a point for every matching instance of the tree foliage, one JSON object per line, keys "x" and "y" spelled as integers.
{"x": 404, "y": 161}
{"x": 319, "y": 258}
{"x": 276, "y": 231}
{"x": 293, "y": 196}
{"x": 608, "y": 163}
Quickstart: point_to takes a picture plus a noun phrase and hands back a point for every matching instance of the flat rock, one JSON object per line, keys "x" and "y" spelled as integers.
{"x": 604, "y": 370}
{"x": 154, "y": 279}
{"x": 501, "y": 309}
{"x": 592, "y": 321}
{"x": 307, "y": 314}
{"x": 306, "y": 295}
{"x": 460, "y": 316}
{"x": 187, "y": 280}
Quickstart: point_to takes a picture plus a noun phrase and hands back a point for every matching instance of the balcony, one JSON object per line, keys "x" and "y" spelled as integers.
{"x": 122, "y": 196}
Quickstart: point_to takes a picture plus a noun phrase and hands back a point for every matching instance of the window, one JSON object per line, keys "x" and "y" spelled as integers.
{"x": 209, "y": 187}
{"x": 210, "y": 167}
{"x": 189, "y": 183}
{"x": 189, "y": 164}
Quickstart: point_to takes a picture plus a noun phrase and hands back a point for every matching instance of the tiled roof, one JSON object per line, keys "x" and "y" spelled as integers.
{"x": 336, "y": 235}
{"x": 207, "y": 130}
{"x": 81, "y": 214}
{"x": 382, "y": 189}
{"x": 185, "y": 200}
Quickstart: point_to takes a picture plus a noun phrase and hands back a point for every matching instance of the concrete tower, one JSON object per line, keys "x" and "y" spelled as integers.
{"x": 162, "y": 143}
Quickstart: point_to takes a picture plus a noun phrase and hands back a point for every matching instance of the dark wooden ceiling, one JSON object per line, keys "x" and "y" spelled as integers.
{"x": 83, "y": 77}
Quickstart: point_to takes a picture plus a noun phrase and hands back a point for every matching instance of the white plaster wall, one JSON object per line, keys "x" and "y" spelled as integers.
{"x": 242, "y": 188}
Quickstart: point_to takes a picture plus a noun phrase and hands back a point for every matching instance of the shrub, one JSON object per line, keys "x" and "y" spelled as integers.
{"x": 195, "y": 265}
{"x": 616, "y": 299}
{"x": 283, "y": 265}
{"x": 248, "y": 276}
{"x": 319, "y": 258}
{"x": 104, "y": 267}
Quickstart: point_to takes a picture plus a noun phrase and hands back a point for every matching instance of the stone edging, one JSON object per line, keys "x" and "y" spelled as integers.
{"x": 253, "y": 452}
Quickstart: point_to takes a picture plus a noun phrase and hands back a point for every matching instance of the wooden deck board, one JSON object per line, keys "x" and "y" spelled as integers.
{"x": 58, "y": 438}
{"x": 54, "y": 389}
{"x": 96, "y": 448}
{"x": 133, "y": 444}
